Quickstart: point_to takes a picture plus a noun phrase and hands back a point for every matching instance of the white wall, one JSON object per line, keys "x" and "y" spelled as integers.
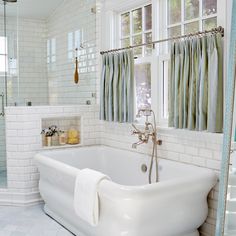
{"x": 71, "y": 16}
{"x": 33, "y": 82}
{"x": 2, "y": 145}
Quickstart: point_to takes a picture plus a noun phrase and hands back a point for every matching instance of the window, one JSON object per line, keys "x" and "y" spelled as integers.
{"x": 188, "y": 16}
{"x": 75, "y": 40}
{"x": 136, "y": 28}
{"x": 51, "y": 50}
{"x": 3, "y": 55}
{"x": 142, "y": 73}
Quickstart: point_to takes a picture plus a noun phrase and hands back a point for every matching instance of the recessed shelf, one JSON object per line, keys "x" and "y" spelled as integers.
{"x": 62, "y": 146}
{"x": 63, "y": 123}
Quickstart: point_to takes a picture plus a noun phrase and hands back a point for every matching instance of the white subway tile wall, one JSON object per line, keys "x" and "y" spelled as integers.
{"x": 198, "y": 148}
{"x": 33, "y": 82}
{"x": 23, "y": 138}
{"x": 73, "y": 25}
{"x": 2, "y": 146}
{"x": 27, "y": 69}
{"x": 23, "y": 125}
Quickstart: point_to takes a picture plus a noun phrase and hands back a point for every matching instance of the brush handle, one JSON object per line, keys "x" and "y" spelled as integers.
{"x": 76, "y": 75}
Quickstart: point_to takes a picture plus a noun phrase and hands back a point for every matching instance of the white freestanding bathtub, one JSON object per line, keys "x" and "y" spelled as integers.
{"x": 129, "y": 206}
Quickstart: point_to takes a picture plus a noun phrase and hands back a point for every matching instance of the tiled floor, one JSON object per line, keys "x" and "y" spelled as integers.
{"x": 3, "y": 179}
{"x": 28, "y": 221}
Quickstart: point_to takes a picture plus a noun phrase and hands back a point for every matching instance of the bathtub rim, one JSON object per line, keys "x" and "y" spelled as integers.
{"x": 111, "y": 186}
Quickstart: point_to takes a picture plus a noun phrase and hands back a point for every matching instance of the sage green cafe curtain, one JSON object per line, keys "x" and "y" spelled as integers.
{"x": 196, "y": 84}
{"x": 117, "y": 101}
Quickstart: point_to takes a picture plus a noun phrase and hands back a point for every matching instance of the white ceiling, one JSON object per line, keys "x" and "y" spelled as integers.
{"x": 38, "y": 9}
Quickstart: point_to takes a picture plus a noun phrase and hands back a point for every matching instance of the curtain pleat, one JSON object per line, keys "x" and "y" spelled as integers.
{"x": 196, "y": 84}
{"x": 117, "y": 87}
{"x": 215, "y": 89}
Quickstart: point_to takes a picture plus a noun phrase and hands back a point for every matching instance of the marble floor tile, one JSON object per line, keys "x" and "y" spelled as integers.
{"x": 28, "y": 221}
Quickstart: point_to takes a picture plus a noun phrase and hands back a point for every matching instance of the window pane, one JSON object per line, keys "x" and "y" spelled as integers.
{"x": 209, "y": 24}
{"x": 142, "y": 74}
{"x": 148, "y": 17}
{"x": 137, "y": 20}
{"x": 165, "y": 89}
{"x": 191, "y": 27}
{"x": 48, "y": 48}
{"x": 53, "y": 46}
{"x": 191, "y": 9}
{"x": 125, "y": 42}
{"x": 3, "y": 45}
{"x": 174, "y": 31}
{"x": 125, "y": 24}
{"x": 209, "y": 7}
{"x": 148, "y": 39}
{"x": 137, "y": 40}
{"x": 174, "y": 11}
{"x": 78, "y": 38}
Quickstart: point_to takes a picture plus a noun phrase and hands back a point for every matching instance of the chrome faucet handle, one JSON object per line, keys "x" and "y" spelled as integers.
{"x": 133, "y": 132}
{"x": 136, "y": 129}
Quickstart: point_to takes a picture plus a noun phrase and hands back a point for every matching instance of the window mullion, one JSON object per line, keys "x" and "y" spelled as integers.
{"x": 131, "y": 28}
{"x": 143, "y": 34}
{"x": 200, "y": 15}
{"x": 182, "y": 16}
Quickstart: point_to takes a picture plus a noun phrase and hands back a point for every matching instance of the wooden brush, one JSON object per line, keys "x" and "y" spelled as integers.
{"x": 76, "y": 75}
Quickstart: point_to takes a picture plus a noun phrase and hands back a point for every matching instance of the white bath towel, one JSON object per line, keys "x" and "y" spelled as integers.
{"x": 86, "y": 199}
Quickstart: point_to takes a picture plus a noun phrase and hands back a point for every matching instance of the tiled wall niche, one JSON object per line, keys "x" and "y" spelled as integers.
{"x": 64, "y": 123}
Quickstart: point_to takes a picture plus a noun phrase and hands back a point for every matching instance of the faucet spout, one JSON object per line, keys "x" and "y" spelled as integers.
{"x": 134, "y": 145}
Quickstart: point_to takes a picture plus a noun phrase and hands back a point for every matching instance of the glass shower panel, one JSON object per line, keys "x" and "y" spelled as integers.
{"x": 8, "y": 74}
{"x": 3, "y": 68}
{"x": 12, "y": 80}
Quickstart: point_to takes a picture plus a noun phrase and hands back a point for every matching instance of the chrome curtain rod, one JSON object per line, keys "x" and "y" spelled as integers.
{"x": 219, "y": 29}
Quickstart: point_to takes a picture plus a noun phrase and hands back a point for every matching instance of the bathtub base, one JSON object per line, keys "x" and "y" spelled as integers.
{"x": 62, "y": 222}
{"x": 75, "y": 231}
{"x": 196, "y": 233}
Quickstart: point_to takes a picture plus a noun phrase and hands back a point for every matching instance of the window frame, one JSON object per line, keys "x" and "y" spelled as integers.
{"x": 144, "y": 59}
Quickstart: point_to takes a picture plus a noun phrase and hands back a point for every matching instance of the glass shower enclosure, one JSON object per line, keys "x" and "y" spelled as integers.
{"x": 8, "y": 74}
